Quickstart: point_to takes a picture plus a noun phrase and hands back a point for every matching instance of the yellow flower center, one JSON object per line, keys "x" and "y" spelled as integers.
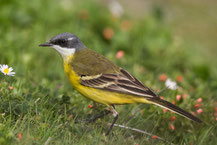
{"x": 6, "y": 71}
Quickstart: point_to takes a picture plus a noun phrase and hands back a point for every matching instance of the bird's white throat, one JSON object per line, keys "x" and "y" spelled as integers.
{"x": 65, "y": 52}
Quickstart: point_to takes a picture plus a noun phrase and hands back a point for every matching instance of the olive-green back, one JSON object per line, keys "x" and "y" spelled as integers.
{"x": 88, "y": 62}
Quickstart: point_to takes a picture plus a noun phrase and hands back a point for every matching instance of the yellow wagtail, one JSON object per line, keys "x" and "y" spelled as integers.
{"x": 98, "y": 79}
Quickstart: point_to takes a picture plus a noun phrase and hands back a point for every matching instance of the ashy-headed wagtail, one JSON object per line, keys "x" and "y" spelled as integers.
{"x": 100, "y": 80}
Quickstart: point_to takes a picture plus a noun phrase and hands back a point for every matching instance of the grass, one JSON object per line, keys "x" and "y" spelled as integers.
{"x": 42, "y": 106}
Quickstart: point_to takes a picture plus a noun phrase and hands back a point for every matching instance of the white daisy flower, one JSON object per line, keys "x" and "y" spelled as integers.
{"x": 116, "y": 8}
{"x": 7, "y": 71}
{"x": 170, "y": 84}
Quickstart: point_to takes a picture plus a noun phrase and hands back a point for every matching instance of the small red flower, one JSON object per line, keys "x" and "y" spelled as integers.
{"x": 90, "y": 106}
{"x": 193, "y": 113}
{"x": 215, "y": 109}
{"x": 172, "y": 127}
{"x": 199, "y": 111}
{"x": 126, "y": 25}
{"x": 199, "y": 100}
{"x": 179, "y": 78}
{"x": 163, "y": 77}
{"x": 19, "y": 136}
{"x": 154, "y": 137}
{"x": 174, "y": 102}
{"x": 197, "y": 105}
{"x": 165, "y": 110}
{"x": 162, "y": 97}
{"x": 83, "y": 14}
{"x": 184, "y": 96}
{"x": 216, "y": 118}
{"x": 178, "y": 97}
{"x": 10, "y": 87}
{"x": 108, "y": 33}
{"x": 173, "y": 118}
{"x": 120, "y": 54}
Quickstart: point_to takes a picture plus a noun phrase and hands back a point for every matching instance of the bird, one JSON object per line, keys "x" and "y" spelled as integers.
{"x": 100, "y": 80}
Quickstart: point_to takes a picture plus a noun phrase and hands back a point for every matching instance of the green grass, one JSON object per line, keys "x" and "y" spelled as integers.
{"x": 42, "y": 105}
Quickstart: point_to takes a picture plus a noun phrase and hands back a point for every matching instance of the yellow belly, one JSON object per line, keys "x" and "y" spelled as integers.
{"x": 97, "y": 95}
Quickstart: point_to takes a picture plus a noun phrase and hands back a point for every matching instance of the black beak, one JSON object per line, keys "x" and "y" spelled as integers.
{"x": 46, "y": 44}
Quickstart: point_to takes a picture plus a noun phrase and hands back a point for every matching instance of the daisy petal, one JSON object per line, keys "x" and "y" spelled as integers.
{"x": 170, "y": 84}
{"x": 10, "y": 69}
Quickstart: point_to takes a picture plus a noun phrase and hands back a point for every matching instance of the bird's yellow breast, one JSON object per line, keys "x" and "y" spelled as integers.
{"x": 97, "y": 95}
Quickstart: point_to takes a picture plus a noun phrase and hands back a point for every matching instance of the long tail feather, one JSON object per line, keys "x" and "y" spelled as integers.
{"x": 164, "y": 104}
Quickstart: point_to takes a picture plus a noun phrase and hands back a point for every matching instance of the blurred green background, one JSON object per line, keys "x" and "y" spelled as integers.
{"x": 178, "y": 39}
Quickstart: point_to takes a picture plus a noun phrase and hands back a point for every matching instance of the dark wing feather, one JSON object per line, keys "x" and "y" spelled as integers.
{"x": 122, "y": 82}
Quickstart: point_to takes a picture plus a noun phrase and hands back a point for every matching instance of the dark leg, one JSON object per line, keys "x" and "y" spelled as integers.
{"x": 104, "y": 113}
{"x": 115, "y": 114}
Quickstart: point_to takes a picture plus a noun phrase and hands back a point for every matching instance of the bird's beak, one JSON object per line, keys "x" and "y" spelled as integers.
{"x": 46, "y": 44}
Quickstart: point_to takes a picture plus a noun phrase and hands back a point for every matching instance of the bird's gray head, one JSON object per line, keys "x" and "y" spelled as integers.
{"x": 65, "y": 43}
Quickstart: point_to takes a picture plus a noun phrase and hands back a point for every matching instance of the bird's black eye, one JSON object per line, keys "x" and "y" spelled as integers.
{"x": 62, "y": 41}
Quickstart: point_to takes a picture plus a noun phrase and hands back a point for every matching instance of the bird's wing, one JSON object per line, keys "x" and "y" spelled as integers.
{"x": 126, "y": 83}
{"x": 122, "y": 82}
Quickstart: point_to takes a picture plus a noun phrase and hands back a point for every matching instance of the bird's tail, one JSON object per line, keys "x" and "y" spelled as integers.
{"x": 164, "y": 104}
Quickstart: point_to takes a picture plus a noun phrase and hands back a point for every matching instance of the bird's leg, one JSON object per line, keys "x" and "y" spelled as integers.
{"x": 104, "y": 113}
{"x": 115, "y": 114}
{"x": 93, "y": 119}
